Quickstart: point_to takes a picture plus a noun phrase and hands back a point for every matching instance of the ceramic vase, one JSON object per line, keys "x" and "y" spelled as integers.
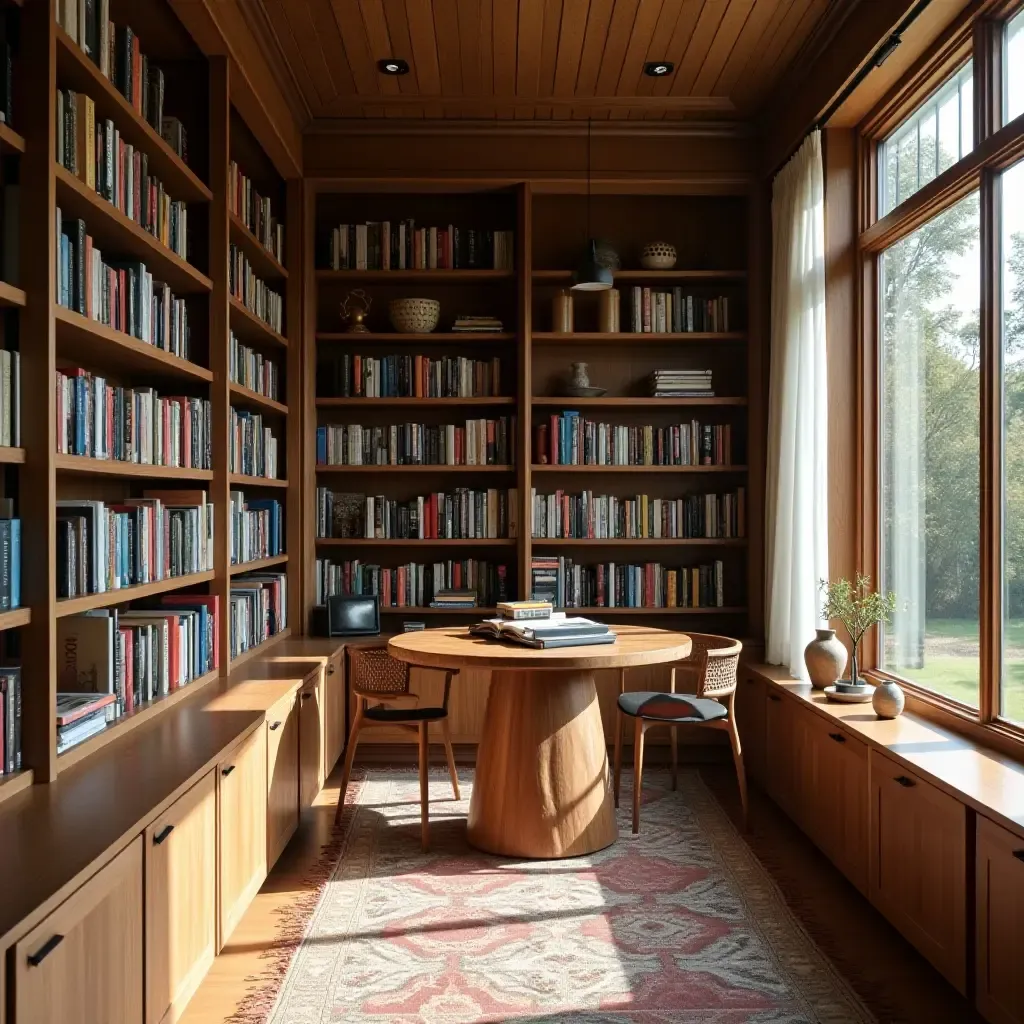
{"x": 825, "y": 658}
{"x": 580, "y": 377}
{"x": 888, "y": 700}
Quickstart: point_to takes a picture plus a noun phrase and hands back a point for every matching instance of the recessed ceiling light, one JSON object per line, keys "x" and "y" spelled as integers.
{"x": 659, "y": 68}
{"x": 393, "y": 66}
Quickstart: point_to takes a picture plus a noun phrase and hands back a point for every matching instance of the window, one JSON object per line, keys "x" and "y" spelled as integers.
{"x": 930, "y": 141}
{"x": 1013, "y": 62}
{"x": 930, "y": 372}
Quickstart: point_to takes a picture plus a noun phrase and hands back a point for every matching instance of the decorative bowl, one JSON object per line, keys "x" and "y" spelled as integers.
{"x": 658, "y": 256}
{"x": 573, "y": 391}
{"x": 414, "y": 316}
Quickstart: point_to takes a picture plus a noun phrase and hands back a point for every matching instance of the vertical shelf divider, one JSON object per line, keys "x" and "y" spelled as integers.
{"x": 524, "y": 264}
{"x": 298, "y": 480}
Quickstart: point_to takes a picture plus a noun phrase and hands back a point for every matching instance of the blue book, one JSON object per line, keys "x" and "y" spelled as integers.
{"x": 321, "y": 446}
{"x": 15, "y": 563}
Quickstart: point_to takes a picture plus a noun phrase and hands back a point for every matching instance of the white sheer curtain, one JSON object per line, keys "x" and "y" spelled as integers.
{"x": 797, "y": 476}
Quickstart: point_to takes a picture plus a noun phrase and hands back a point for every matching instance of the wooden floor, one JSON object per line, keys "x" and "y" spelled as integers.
{"x": 895, "y": 982}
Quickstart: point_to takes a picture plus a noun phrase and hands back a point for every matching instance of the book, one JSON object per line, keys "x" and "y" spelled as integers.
{"x": 413, "y": 584}
{"x": 558, "y": 630}
{"x": 255, "y": 212}
{"x": 352, "y": 375}
{"x": 517, "y": 610}
{"x": 73, "y": 707}
{"x": 87, "y": 657}
{"x": 10, "y": 710}
{"x": 251, "y": 369}
{"x": 402, "y": 245}
{"x": 253, "y": 292}
{"x": 252, "y": 446}
{"x": 10, "y": 564}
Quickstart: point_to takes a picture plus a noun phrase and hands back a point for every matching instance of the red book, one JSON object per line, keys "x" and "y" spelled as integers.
{"x": 212, "y": 604}
{"x": 553, "y": 439}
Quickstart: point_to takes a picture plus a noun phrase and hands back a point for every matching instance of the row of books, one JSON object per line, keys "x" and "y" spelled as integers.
{"x": 101, "y": 421}
{"x": 117, "y": 170}
{"x": 662, "y": 311}
{"x": 567, "y": 584}
{"x": 259, "y": 609}
{"x": 103, "y": 547}
{"x": 607, "y": 516}
{"x": 414, "y": 585}
{"x": 481, "y": 442}
{"x": 570, "y": 439}
{"x": 121, "y": 294}
{"x": 253, "y": 292}
{"x": 254, "y": 211}
{"x": 253, "y": 370}
{"x": 456, "y": 515}
{"x": 10, "y": 719}
{"x": 680, "y": 384}
{"x": 408, "y": 376}
{"x": 383, "y": 245}
{"x": 255, "y": 528}
{"x": 252, "y": 447}
{"x": 10, "y": 398}
{"x": 116, "y": 51}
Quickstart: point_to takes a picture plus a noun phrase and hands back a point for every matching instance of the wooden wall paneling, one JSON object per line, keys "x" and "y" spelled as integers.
{"x": 710, "y": 18}
{"x": 747, "y": 41}
{"x": 734, "y": 20}
{"x": 524, "y": 328}
{"x": 298, "y": 500}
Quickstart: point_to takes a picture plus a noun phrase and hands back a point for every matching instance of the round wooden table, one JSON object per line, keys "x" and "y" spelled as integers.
{"x": 542, "y": 786}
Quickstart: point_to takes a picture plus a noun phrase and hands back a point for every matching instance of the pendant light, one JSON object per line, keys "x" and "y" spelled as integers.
{"x": 590, "y": 276}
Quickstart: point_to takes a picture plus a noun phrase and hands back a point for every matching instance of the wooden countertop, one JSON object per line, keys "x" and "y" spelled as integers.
{"x": 981, "y": 778}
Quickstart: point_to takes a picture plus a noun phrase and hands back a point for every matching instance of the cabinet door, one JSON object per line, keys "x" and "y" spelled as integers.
{"x": 1000, "y": 923}
{"x": 918, "y": 864}
{"x": 311, "y": 732}
{"x": 242, "y": 828}
{"x": 181, "y": 900}
{"x": 83, "y": 963}
{"x": 334, "y": 711}
{"x": 779, "y": 754}
{"x": 750, "y": 720}
{"x": 282, "y": 776}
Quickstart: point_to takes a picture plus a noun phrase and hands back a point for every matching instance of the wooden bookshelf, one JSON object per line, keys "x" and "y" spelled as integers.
{"x": 393, "y": 542}
{"x": 640, "y": 542}
{"x": 434, "y": 338}
{"x": 251, "y": 329}
{"x": 633, "y": 338}
{"x": 11, "y": 295}
{"x": 415, "y": 469}
{"x": 112, "y": 467}
{"x": 122, "y": 595}
{"x": 398, "y": 403}
{"x": 627, "y": 402}
{"x": 242, "y": 480}
{"x": 12, "y": 785}
{"x": 257, "y": 564}
{"x": 10, "y": 140}
{"x": 415, "y": 276}
{"x": 11, "y": 456}
{"x": 639, "y": 274}
{"x": 253, "y": 400}
{"x": 670, "y": 470}
{"x": 262, "y": 648}
{"x": 14, "y": 618}
{"x": 263, "y": 261}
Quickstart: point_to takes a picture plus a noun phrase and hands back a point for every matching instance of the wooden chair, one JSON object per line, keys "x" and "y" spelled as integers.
{"x": 711, "y": 671}
{"x": 376, "y": 676}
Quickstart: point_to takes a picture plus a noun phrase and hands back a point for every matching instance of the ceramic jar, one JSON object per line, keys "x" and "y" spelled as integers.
{"x": 825, "y": 657}
{"x": 562, "y": 313}
{"x": 580, "y": 376}
{"x": 888, "y": 700}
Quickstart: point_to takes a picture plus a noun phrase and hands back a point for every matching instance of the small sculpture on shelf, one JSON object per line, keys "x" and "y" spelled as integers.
{"x": 579, "y": 383}
{"x": 356, "y": 316}
{"x": 658, "y": 256}
{"x": 414, "y": 316}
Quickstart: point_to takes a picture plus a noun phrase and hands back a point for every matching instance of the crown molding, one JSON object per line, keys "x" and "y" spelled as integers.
{"x": 363, "y": 127}
{"x": 266, "y": 38}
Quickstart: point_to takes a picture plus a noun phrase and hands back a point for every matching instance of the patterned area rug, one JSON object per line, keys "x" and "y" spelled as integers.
{"x": 680, "y": 924}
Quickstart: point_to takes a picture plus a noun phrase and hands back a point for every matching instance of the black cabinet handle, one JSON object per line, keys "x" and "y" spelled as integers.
{"x": 330, "y": 670}
{"x": 905, "y": 782}
{"x": 307, "y": 695}
{"x": 275, "y": 725}
{"x": 35, "y": 959}
{"x": 227, "y": 771}
{"x": 837, "y": 736}
{"x": 775, "y": 697}
{"x": 1019, "y": 854}
{"x": 162, "y": 835}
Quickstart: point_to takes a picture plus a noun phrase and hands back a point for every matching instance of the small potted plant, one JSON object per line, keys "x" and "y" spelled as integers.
{"x": 858, "y": 608}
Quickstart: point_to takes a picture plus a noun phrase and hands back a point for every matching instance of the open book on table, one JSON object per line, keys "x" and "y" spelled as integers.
{"x": 560, "y": 630}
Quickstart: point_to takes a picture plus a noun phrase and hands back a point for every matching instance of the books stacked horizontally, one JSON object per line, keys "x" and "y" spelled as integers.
{"x": 454, "y": 598}
{"x": 536, "y": 624}
{"x": 681, "y": 384}
{"x": 81, "y": 715}
{"x": 467, "y": 323}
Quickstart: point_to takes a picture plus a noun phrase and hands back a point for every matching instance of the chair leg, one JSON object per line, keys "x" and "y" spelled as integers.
{"x": 741, "y": 775}
{"x": 638, "y": 771}
{"x": 447, "y": 733}
{"x": 424, "y": 788}
{"x": 618, "y": 754}
{"x": 350, "y": 756}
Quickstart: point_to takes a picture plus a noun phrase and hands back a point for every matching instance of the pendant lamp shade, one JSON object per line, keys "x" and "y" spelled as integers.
{"x": 590, "y": 276}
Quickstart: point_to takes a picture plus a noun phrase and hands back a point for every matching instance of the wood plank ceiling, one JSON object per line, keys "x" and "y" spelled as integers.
{"x": 537, "y": 59}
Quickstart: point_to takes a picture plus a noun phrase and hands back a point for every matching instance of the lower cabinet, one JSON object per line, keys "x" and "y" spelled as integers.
{"x": 333, "y": 693}
{"x": 282, "y": 776}
{"x": 781, "y": 756}
{"x": 1000, "y": 923}
{"x": 83, "y": 963}
{"x": 311, "y": 750}
{"x": 918, "y": 869}
{"x": 242, "y": 833}
{"x": 180, "y": 850}
{"x": 750, "y": 721}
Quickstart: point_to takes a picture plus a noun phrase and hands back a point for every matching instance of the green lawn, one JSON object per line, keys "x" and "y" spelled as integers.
{"x": 957, "y": 677}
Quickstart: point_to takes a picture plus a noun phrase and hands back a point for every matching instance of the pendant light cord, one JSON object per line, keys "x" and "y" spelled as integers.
{"x": 590, "y": 132}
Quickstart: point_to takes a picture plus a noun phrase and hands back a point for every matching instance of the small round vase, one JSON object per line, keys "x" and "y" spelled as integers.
{"x": 825, "y": 657}
{"x": 888, "y": 700}
{"x": 580, "y": 377}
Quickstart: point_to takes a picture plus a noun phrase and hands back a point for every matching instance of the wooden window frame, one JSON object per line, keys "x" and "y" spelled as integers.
{"x": 977, "y": 35}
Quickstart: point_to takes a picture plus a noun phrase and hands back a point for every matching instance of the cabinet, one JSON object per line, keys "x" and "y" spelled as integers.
{"x": 750, "y": 721}
{"x": 180, "y": 853}
{"x": 917, "y": 864}
{"x": 333, "y": 692}
{"x": 311, "y": 732}
{"x": 83, "y": 963}
{"x": 1000, "y": 923}
{"x": 282, "y": 776}
{"x": 242, "y": 831}
{"x": 782, "y": 755}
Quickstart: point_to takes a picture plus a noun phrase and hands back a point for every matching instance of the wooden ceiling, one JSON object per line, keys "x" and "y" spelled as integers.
{"x": 537, "y": 59}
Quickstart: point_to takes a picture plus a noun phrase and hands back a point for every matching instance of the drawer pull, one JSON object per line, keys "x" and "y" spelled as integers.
{"x": 905, "y": 782}
{"x": 275, "y": 725}
{"x": 227, "y": 771}
{"x": 775, "y": 697}
{"x": 837, "y": 736}
{"x": 162, "y": 835}
{"x": 35, "y": 959}
{"x": 307, "y": 695}
{"x": 1019, "y": 854}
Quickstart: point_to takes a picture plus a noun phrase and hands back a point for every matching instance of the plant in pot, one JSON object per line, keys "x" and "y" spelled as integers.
{"x": 858, "y": 608}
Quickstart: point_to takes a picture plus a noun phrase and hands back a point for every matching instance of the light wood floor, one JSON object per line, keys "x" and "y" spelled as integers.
{"x": 898, "y": 985}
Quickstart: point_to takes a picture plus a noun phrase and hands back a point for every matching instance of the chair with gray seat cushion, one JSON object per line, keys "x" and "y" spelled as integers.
{"x": 710, "y": 675}
{"x": 378, "y": 678}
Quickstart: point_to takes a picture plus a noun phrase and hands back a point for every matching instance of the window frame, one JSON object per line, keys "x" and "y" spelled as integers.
{"x": 976, "y": 35}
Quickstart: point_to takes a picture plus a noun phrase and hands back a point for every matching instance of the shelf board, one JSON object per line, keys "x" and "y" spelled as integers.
{"x": 12, "y": 456}
{"x": 393, "y": 542}
{"x": 642, "y": 402}
{"x": 10, "y": 140}
{"x": 12, "y": 785}
{"x": 126, "y": 723}
{"x": 111, "y": 467}
{"x": 14, "y": 618}
{"x": 250, "y": 328}
{"x": 76, "y": 605}
{"x": 650, "y": 275}
{"x": 118, "y": 235}
{"x": 545, "y": 468}
{"x": 736, "y": 610}
{"x": 409, "y": 276}
{"x": 76, "y": 71}
{"x": 78, "y": 336}
{"x": 641, "y": 542}
{"x": 256, "y": 564}
{"x": 410, "y": 610}
{"x": 253, "y": 398}
{"x": 448, "y": 337}
{"x": 11, "y": 295}
{"x": 263, "y": 261}
{"x": 645, "y": 337}
{"x": 415, "y": 469}
{"x": 371, "y": 403}
{"x": 242, "y": 480}
{"x": 261, "y": 648}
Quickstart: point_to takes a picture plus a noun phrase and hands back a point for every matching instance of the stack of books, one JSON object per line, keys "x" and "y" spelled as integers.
{"x": 475, "y": 324}
{"x": 452, "y": 598}
{"x": 414, "y": 626}
{"x": 10, "y": 720}
{"x": 681, "y": 384}
{"x": 535, "y": 624}
{"x": 81, "y": 715}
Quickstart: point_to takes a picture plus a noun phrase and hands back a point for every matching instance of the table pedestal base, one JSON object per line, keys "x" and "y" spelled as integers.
{"x": 542, "y": 787}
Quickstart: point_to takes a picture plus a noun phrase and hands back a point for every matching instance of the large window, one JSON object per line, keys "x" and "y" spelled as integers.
{"x": 1013, "y": 62}
{"x": 930, "y": 376}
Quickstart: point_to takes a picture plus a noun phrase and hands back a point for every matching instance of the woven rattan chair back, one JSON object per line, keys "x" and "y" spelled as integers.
{"x": 712, "y": 665}
{"x": 376, "y": 674}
